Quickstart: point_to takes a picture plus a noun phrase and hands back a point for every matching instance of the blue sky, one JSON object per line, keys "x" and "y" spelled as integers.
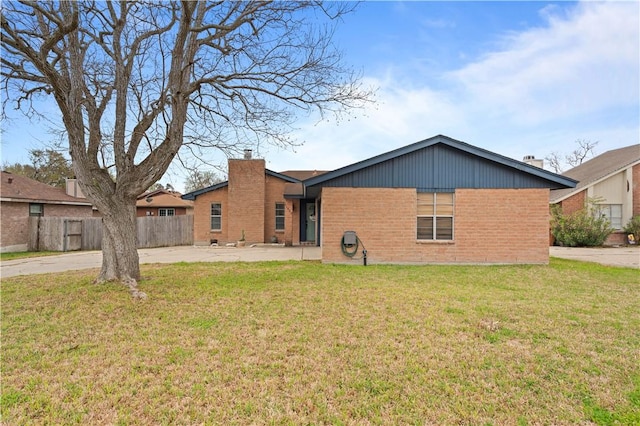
{"x": 517, "y": 78}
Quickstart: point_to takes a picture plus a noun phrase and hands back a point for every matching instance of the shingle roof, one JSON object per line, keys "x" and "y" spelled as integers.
{"x": 21, "y": 188}
{"x": 162, "y": 198}
{"x": 596, "y": 169}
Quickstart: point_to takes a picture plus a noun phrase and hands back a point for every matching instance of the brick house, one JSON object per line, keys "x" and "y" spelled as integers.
{"x": 435, "y": 201}
{"x": 162, "y": 203}
{"x": 612, "y": 181}
{"x": 22, "y": 197}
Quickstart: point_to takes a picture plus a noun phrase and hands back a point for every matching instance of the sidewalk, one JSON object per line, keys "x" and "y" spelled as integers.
{"x": 93, "y": 259}
{"x": 613, "y": 256}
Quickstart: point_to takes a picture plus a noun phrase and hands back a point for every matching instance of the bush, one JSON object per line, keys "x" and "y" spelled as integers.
{"x": 579, "y": 229}
{"x": 633, "y": 227}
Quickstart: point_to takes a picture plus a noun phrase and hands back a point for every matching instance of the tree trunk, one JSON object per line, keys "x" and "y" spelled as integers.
{"x": 120, "y": 261}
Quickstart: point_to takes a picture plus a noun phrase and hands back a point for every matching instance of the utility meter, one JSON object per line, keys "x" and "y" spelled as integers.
{"x": 350, "y": 238}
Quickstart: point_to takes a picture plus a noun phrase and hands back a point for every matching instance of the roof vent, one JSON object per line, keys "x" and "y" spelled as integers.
{"x": 10, "y": 179}
{"x": 248, "y": 154}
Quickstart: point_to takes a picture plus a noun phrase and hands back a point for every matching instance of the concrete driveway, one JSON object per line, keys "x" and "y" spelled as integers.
{"x": 93, "y": 259}
{"x": 613, "y": 256}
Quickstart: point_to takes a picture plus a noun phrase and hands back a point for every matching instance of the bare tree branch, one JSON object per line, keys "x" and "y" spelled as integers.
{"x": 137, "y": 83}
{"x": 559, "y": 162}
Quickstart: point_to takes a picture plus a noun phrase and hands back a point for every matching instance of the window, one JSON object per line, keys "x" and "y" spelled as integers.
{"x": 435, "y": 216}
{"x": 166, "y": 212}
{"x": 613, "y": 212}
{"x": 279, "y": 216}
{"x": 36, "y": 209}
{"x": 216, "y": 216}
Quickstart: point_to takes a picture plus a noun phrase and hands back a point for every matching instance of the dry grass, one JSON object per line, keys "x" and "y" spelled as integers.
{"x": 26, "y": 254}
{"x": 306, "y": 343}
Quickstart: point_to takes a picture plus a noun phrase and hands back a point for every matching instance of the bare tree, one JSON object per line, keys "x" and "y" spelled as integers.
{"x": 137, "y": 82}
{"x": 155, "y": 187}
{"x": 198, "y": 179}
{"x": 559, "y": 162}
{"x": 585, "y": 149}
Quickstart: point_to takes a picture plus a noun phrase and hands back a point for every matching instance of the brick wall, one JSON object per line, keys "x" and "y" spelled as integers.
{"x": 14, "y": 225}
{"x": 202, "y": 233}
{"x": 274, "y": 193}
{"x": 490, "y": 226}
{"x": 248, "y": 203}
{"x": 15, "y": 216}
{"x": 574, "y": 203}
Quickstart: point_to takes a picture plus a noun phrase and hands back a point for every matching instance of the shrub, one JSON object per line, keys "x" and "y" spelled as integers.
{"x": 633, "y": 227}
{"x": 579, "y": 229}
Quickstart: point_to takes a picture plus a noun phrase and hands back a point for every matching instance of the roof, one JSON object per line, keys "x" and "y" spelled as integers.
{"x": 23, "y": 189}
{"x": 302, "y": 183}
{"x": 597, "y": 169}
{"x": 554, "y": 179}
{"x": 192, "y": 195}
{"x": 304, "y": 174}
{"x": 163, "y": 198}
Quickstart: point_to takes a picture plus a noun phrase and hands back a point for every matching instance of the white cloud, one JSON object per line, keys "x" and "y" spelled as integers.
{"x": 577, "y": 64}
{"x": 539, "y": 92}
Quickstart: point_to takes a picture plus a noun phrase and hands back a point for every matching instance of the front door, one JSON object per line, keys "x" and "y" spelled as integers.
{"x": 310, "y": 222}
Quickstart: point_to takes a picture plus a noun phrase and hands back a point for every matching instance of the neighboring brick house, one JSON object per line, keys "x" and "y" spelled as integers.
{"x": 162, "y": 203}
{"x": 612, "y": 181}
{"x": 21, "y": 197}
{"x": 435, "y": 201}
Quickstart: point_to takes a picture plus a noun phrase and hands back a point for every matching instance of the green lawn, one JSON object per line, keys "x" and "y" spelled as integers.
{"x": 306, "y": 343}
{"x": 27, "y": 254}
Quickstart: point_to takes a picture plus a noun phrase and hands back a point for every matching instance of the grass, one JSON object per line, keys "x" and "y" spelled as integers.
{"x": 26, "y": 254}
{"x": 308, "y": 343}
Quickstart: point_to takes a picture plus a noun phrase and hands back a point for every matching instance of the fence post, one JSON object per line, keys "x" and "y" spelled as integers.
{"x": 64, "y": 235}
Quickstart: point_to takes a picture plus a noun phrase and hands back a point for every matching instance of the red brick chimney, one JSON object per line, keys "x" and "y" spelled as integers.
{"x": 246, "y": 198}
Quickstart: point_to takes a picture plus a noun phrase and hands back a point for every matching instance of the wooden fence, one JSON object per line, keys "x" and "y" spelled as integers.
{"x": 81, "y": 233}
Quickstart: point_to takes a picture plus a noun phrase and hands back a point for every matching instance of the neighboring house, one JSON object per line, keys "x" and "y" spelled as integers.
{"x": 22, "y": 197}
{"x": 163, "y": 203}
{"x": 435, "y": 201}
{"x": 611, "y": 181}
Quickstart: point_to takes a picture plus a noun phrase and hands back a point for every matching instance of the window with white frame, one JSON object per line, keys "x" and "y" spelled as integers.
{"x": 435, "y": 216}
{"x": 279, "y": 216}
{"x": 216, "y": 216}
{"x": 36, "y": 209}
{"x": 166, "y": 212}
{"x": 613, "y": 212}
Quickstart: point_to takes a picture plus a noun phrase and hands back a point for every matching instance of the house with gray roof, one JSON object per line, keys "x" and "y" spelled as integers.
{"x": 611, "y": 181}
{"x": 439, "y": 200}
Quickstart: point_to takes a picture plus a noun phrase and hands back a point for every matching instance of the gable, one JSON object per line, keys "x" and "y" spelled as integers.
{"x": 598, "y": 169}
{"x": 439, "y": 164}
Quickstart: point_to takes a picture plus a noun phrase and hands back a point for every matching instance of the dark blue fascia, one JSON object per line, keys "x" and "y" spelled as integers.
{"x": 192, "y": 195}
{"x": 281, "y": 176}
